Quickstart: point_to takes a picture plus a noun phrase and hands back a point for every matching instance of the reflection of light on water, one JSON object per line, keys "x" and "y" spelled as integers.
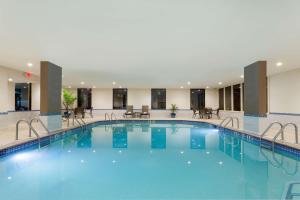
{"x": 220, "y": 163}
{"x": 24, "y": 156}
{"x": 207, "y": 152}
{"x": 82, "y": 161}
{"x": 114, "y": 161}
{"x": 120, "y": 151}
{"x": 9, "y": 178}
{"x": 181, "y": 152}
{"x": 94, "y": 151}
{"x": 69, "y": 151}
{"x": 189, "y": 162}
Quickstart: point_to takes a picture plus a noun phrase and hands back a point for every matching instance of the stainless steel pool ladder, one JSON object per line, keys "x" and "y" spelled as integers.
{"x": 229, "y": 120}
{"x": 107, "y": 117}
{"x": 280, "y": 132}
{"x": 288, "y": 192}
{"x": 30, "y": 128}
{"x": 39, "y": 121}
{"x": 113, "y": 115}
{"x": 269, "y": 127}
{"x": 283, "y": 131}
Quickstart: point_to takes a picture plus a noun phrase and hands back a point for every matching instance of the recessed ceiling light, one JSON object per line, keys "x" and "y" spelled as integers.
{"x": 181, "y": 87}
{"x": 120, "y": 86}
{"x": 189, "y": 82}
{"x": 279, "y": 64}
{"x": 69, "y": 86}
{"x": 29, "y": 64}
{"x": 114, "y": 83}
{"x": 220, "y": 83}
{"x": 82, "y": 83}
{"x": 242, "y": 76}
{"x": 28, "y": 83}
{"x": 207, "y": 87}
{"x": 10, "y": 80}
{"x": 94, "y": 87}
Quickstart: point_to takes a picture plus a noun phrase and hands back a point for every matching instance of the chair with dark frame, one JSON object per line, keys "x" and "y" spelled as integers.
{"x": 145, "y": 111}
{"x": 216, "y": 113}
{"x": 195, "y": 113}
{"x": 129, "y": 111}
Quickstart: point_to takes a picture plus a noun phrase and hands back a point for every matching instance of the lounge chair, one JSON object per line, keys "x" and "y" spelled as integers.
{"x": 195, "y": 113}
{"x": 208, "y": 112}
{"x": 216, "y": 113}
{"x": 129, "y": 111}
{"x": 145, "y": 111}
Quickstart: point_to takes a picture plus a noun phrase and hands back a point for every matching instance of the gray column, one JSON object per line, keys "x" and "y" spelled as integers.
{"x": 255, "y": 91}
{"x": 255, "y": 76}
{"x": 51, "y": 84}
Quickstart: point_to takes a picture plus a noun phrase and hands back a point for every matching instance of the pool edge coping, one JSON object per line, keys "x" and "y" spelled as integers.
{"x": 9, "y": 149}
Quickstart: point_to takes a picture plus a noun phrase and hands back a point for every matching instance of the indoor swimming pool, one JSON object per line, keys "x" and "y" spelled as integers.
{"x": 149, "y": 160}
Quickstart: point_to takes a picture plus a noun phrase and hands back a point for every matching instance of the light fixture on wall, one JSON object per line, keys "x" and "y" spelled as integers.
{"x": 10, "y": 80}
{"x": 114, "y": 83}
{"x": 242, "y": 76}
{"x": 82, "y": 83}
{"x": 69, "y": 86}
{"x": 279, "y": 64}
{"x": 29, "y": 64}
{"x": 181, "y": 87}
{"x": 220, "y": 83}
{"x": 189, "y": 83}
{"x": 94, "y": 87}
{"x": 207, "y": 87}
{"x": 120, "y": 86}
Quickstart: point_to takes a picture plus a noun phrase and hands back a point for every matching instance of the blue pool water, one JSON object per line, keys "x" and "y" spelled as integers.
{"x": 142, "y": 160}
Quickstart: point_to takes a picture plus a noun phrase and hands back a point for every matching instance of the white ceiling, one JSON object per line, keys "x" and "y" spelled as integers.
{"x": 150, "y": 43}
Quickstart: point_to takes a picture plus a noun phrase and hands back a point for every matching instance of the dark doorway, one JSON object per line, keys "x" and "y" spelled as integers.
{"x": 23, "y": 96}
{"x": 237, "y": 97}
{"x": 84, "y": 98}
{"x": 197, "y": 98}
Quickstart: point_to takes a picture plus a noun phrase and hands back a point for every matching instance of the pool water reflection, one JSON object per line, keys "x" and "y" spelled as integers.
{"x": 142, "y": 160}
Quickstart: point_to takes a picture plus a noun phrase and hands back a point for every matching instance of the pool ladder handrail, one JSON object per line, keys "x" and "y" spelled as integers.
{"x": 269, "y": 127}
{"x": 283, "y": 131}
{"x": 78, "y": 122}
{"x": 40, "y": 121}
{"x": 231, "y": 120}
{"x": 111, "y": 116}
{"x": 30, "y": 128}
{"x": 107, "y": 117}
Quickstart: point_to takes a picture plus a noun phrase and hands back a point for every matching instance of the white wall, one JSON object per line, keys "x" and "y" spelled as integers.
{"x": 3, "y": 91}
{"x": 139, "y": 97}
{"x": 11, "y": 96}
{"x": 35, "y": 96}
{"x": 284, "y": 92}
{"x": 212, "y": 98}
{"x": 180, "y": 97}
{"x": 102, "y": 98}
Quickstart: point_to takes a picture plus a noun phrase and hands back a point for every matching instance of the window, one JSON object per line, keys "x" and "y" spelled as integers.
{"x": 221, "y": 99}
{"x": 228, "y": 98}
{"x": 197, "y": 99}
{"x": 22, "y": 96}
{"x": 119, "y": 98}
{"x": 84, "y": 99}
{"x": 158, "y": 99}
{"x": 237, "y": 97}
